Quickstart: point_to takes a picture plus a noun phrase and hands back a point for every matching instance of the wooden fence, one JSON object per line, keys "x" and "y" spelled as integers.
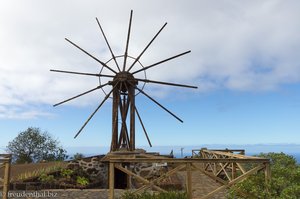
{"x": 226, "y": 168}
{"x": 5, "y": 161}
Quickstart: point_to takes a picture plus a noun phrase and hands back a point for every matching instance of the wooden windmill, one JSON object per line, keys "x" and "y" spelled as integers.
{"x": 124, "y": 87}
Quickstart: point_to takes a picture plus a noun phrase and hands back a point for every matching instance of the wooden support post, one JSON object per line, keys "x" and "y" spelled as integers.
{"x": 6, "y": 177}
{"x": 189, "y": 181}
{"x": 132, "y": 118}
{"x": 114, "y": 139}
{"x": 267, "y": 172}
{"x": 111, "y": 180}
{"x": 233, "y": 175}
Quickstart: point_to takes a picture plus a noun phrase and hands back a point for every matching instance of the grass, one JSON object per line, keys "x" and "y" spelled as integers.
{"x": 38, "y": 172}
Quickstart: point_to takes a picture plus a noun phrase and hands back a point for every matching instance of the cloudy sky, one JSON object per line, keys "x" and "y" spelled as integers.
{"x": 245, "y": 61}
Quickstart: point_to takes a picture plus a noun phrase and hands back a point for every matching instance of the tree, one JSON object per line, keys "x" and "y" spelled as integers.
{"x": 32, "y": 145}
{"x": 285, "y": 181}
{"x": 77, "y": 156}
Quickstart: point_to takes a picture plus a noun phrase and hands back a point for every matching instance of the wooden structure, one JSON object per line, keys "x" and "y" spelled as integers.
{"x": 5, "y": 161}
{"x": 226, "y": 168}
{"x": 122, "y": 73}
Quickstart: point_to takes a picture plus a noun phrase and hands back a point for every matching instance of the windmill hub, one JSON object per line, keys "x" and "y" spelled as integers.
{"x": 125, "y": 80}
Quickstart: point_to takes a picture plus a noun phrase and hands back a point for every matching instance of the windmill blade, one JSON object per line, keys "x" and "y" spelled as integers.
{"x": 137, "y": 59}
{"x": 92, "y": 115}
{"x": 166, "y": 83}
{"x": 160, "y": 62}
{"x": 80, "y": 94}
{"x": 80, "y": 73}
{"x": 111, "y": 52}
{"x": 140, "y": 119}
{"x": 158, "y": 103}
{"x": 127, "y": 42}
{"x": 102, "y": 63}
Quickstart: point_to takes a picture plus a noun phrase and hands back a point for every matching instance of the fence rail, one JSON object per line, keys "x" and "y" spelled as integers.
{"x": 5, "y": 161}
{"x": 226, "y": 168}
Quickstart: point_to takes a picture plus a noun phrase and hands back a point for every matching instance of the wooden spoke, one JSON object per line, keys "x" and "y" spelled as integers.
{"x": 102, "y": 63}
{"x": 92, "y": 115}
{"x": 165, "y": 83}
{"x": 80, "y": 94}
{"x": 158, "y": 104}
{"x": 140, "y": 119}
{"x": 80, "y": 73}
{"x": 111, "y": 52}
{"x": 127, "y": 42}
{"x": 137, "y": 59}
{"x": 160, "y": 62}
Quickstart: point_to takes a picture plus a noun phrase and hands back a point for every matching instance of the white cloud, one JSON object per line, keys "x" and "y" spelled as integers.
{"x": 245, "y": 46}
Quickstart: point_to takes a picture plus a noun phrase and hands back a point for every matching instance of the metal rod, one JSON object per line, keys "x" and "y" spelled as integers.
{"x": 102, "y": 63}
{"x": 140, "y": 119}
{"x": 111, "y": 52}
{"x": 80, "y": 95}
{"x": 165, "y": 83}
{"x": 80, "y": 73}
{"x": 106, "y": 97}
{"x": 160, "y": 62}
{"x": 159, "y": 104}
{"x": 127, "y": 43}
{"x": 137, "y": 59}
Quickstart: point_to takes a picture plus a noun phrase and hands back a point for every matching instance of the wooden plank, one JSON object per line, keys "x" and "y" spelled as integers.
{"x": 189, "y": 189}
{"x": 267, "y": 172}
{"x": 6, "y": 179}
{"x": 241, "y": 168}
{"x": 186, "y": 160}
{"x": 111, "y": 180}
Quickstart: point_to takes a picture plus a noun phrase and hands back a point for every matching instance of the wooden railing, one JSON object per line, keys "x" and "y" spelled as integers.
{"x": 223, "y": 167}
{"x": 230, "y": 172}
{"x": 5, "y": 161}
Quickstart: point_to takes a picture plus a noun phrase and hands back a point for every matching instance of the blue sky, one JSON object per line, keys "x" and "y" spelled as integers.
{"x": 245, "y": 61}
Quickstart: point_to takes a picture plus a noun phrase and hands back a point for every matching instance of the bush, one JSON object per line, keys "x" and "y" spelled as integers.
{"x": 284, "y": 184}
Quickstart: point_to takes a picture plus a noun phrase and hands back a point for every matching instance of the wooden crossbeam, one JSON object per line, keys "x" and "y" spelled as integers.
{"x": 169, "y": 173}
{"x": 238, "y": 179}
{"x": 212, "y": 176}
{"x": 143, "y": 180}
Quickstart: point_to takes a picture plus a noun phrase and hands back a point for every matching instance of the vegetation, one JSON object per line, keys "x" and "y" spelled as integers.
{"x": 147, "y": 195}
{"x": 32, "y": 145}
{"x": 284, "y": 184}
{"x": 66, "y": 173}
{"x": 77, "y": 156}
{"x": 37, "y": 173}
{"x": 46, "y": 178}
{"x": 82, "y": 181}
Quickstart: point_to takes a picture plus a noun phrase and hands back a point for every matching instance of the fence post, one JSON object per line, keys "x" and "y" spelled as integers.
{"x": 6, "y": 179}
{"x": 189, "y": 180}
{"x": 111, "y": 180}
{"x": 267, "y": 172}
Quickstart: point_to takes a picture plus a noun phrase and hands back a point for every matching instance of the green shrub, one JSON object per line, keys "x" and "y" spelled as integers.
{"x": 82, "y": 181}
{"x": 147, "y": 195}
{"x": 66, "y": 173}
{"x": 284, "y": 184}
{"x": 46, "y": 178}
